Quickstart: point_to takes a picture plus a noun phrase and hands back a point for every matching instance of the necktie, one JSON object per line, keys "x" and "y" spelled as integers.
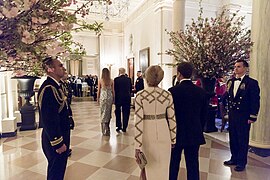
{"x": 237, "y": 79}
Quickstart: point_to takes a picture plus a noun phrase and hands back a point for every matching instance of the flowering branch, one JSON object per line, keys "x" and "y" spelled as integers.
{"x": 33, "y": 29}
{"x": 212, "y": 45}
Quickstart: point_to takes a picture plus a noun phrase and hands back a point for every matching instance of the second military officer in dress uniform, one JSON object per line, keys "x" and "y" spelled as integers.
{"x": 139, "y": 84}
{"x": 54, "y": 115}
{"x": 244, "y": 102}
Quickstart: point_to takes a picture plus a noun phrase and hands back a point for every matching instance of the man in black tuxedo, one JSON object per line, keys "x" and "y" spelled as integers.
{"x": 122, "y": 89}
{"x": 190, "y": 103}
{"x": 139, "y": 84}
{"x": 243, "y": 104}
{"x": 54, "y": 115}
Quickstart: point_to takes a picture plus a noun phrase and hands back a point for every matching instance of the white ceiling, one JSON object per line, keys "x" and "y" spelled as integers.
{"x": 133, "y": 5}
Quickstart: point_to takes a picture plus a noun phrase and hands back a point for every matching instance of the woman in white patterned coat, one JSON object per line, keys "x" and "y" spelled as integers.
{"x": 155, "y": 125}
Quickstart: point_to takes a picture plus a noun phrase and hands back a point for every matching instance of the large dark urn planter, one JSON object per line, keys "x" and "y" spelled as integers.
{"x": 25, "y": 89}
{"x": 208, "y": 84}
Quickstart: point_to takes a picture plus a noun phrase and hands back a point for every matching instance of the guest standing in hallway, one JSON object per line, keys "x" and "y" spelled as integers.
{"x": 54, "y": 115}
{"x": 122, "y": 89}
{"x": 105, "y": 97}
{"x": 244, "y": 104}
{"x": 190, "y": 105}
{"x": 155, "y": 126}
{"x": 139, "y": 84}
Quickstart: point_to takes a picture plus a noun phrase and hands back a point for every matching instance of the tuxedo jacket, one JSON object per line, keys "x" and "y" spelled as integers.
{"x": 54, "y": 114}
{"x": 139, "y": 85}
{"x": 190, "y": 105}
{"x": 245, "y": 104}
{"x": 122, "y": 90}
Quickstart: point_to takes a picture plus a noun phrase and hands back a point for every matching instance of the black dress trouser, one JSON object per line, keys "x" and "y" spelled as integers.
{"x": 125, "y": 107}
{"x": 56, "y": 162}
{"x": 192, "y": 161}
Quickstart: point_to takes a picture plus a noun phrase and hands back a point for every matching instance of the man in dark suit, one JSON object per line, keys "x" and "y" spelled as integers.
{"x": 122, "y": 89}
{"x": 190, "y": 103}
{"x": 54, "y": 115}
{"x": 139, "y": 84}
{"x": 243, "y": 104}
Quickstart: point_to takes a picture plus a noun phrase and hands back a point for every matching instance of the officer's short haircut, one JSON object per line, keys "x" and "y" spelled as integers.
{"x": 47, "y": 62}
{"x": 245, "y": 63}
{"x": 185, "y": 69}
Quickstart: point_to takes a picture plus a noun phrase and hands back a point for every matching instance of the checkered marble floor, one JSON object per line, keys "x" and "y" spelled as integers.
{"x": 95, "y": 157}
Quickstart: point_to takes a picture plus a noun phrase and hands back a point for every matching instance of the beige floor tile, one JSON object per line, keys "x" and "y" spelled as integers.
{"x": 217, "y": 177}
{"x": 33, "y": 146}
{"x": 20, "y": 141}
{"x": 220, "y": 154}
{"x": 40, "y": 168}
{"x": 87, "y": 134}
{"x": 97, "y": 158}
{"x": 204, "y": 164}
{"x": 28, "y": 160}
{"x": 75, "y": 140}
{"x": 13, "y": 154}
{"x": 28, "y": 175}
{"x": 112, "y": 148}
{"x": 129, "y": 152}
{"x": 105, "y": 174}
{"x": 7, "y": 170}
{"x": 133, "y": 178}
{"x": 216, "y": 167}
{"x": 219, "y": 146}
{"x": 78, "y": 153}
{"x": 204, "y": 152}
{"x": 91, "y": 144}
{"x": 79, "y": 171}
{"x": 122, "y": 164}
{"x": 100, "y": 157}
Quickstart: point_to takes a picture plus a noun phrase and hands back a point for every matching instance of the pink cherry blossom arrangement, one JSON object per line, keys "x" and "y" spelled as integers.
{"x": 33, "y": 29}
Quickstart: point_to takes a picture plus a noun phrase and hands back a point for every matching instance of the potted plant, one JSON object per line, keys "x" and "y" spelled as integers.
{"x": 212, "y": 46}
{"x": 31, "y": 30}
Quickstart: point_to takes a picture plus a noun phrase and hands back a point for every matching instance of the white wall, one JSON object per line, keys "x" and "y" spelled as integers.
{"x": 147, "y": 25}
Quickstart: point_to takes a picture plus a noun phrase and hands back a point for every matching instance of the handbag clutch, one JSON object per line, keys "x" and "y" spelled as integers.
{"x": 141, "y": 161}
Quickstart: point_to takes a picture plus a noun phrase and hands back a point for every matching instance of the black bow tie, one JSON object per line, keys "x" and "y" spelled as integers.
{"x": 237, "y": 79}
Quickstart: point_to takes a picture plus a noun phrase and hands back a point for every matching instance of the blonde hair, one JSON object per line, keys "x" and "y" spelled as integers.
{"x": 106, "y": 76}
{"x": 154, "y": 75}
{"x": 122, "y": 71}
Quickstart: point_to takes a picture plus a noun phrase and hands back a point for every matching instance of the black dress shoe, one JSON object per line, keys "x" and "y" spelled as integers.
{"x": 124, "y": 130}
{"x": 118, "y": 129}
{"x": 229, "y": 163}
{"x": 239, "y": 168}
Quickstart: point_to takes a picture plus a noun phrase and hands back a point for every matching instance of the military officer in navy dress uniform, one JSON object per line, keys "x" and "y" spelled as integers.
{"x": 243, "y": 104}
{"x": 139, "y": 84}
{"x": 54, "y": 115}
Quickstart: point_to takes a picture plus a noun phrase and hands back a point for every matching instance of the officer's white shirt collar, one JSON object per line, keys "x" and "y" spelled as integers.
{"x": 237, "y": 84}
{"x": 185, "y": 79}
{"x": 242, "y": 77}
{"x": 54, "y": 80}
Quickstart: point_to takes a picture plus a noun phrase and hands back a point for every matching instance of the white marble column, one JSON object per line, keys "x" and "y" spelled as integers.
{"x": 178, "y": 19}
{"x": 8, "y": 123}
{"x": 260, "y": 70}
{"x": 178, "y": 14}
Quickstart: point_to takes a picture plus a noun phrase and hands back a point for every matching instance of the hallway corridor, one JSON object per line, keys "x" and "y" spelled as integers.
{"x": 95, "y": 157}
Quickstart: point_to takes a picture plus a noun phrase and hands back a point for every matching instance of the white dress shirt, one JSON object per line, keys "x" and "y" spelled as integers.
{"x": 236, "y": 85}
